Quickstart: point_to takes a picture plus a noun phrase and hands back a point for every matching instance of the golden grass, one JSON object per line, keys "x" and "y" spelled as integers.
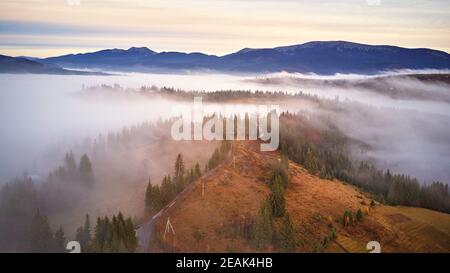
{"x": 312, "y": 203}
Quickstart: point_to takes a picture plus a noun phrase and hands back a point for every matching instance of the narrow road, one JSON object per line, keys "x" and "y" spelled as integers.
{"x": 144, "y": 232}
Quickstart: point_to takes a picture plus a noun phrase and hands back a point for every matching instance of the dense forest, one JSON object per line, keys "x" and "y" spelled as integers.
{"x": 264, "y": 232}
{"x": 211, "y": 96}
{"x": 158, "y": 196}
{"x": 24, "y": 206}
{"x": 324, "y": 151}
{"x": 310, "y": 140}
{"x": 115, "y": 235}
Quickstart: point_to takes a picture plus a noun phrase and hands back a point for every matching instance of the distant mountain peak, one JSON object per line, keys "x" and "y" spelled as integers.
{"x": 246, "y": 49}
{"x": 142, "y": 50}
{"x": 320, "y": 57}
{"x": 324, "y": 44}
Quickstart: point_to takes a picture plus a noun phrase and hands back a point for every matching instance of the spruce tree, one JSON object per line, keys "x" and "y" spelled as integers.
{"x": 277, "y": 198}
{"x": 287, "y": 234}
{"x": 198, "y": 173}
{"x": 179, "y": 167}
{"x": 60, "y": 240}
{"x": 262, "y": 231}
{"x": 85, "y": 171}
{"x": 41, "y": 235}
{"x": 149, "y": 195}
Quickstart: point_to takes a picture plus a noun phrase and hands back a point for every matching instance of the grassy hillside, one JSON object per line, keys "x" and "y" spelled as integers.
{"x": 220, "y": 218}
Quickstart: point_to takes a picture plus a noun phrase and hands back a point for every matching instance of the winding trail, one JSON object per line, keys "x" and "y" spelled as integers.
{"x": 145, "y": 231}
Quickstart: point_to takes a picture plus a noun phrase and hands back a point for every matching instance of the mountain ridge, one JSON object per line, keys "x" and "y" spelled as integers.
{"x": 19, "y": 65}
{"x": 319, "y": 57}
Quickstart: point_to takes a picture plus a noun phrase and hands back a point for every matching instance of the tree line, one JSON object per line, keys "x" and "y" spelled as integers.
{"x": 24, "y": 225}
{"x": 115, "y": 235}
{"x": 158, "y": 196}
{"x": 325, "y": 152}
{"x": 265, "y": 233}
{"x": 24, "y": 206}
{"x": 67, "y": 184}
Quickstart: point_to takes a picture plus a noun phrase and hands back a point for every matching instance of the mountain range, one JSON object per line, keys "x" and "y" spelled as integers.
{"x": 328, "y": 57}
{"x": 18, "y": 65}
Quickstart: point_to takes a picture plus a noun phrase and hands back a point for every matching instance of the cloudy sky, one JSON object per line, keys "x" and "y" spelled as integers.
{"x": 55, "y": 27}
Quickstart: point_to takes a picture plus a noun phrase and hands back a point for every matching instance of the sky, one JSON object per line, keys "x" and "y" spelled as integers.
{"x": 43, "y": 28}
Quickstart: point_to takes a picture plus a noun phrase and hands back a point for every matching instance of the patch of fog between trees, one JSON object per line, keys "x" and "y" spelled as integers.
{"x": 41, "y": 118}
{"x": 410, "y": 135}
{"x": 405, "y": 141}
{"x": 390, "y": 89}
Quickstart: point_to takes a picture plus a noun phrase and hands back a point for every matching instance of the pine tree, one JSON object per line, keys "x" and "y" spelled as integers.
{"x": 198, "y": 173}
{"x": 131, "y": 236}
{"x": 87, "y": 230}
{"x": 179, "y": 167}
{"x": 156, "y": 202}
{"x": 83, "y": 235}
{"x": 287, "y": 234}
{"x": 277, "y": 198}
{"x": 262, "y": 231}
{"x": 41, "y": 234}
{"x": 149, "y": 195}
{"x": 168, "y": 190}
{"x": 71, "y": 165}
{"x": 310, "y": 162}
{"x": 60, "y": 241}
{"x": 359, "y": 215}
{"x": 191, "y": 175}
{"x": 85, "y": 171}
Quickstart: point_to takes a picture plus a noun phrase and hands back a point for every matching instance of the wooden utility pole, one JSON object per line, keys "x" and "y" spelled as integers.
{"x": 169, "y": 228}
{"x": 203, "y": 189}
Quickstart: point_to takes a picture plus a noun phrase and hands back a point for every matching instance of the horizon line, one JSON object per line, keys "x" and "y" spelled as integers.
{"x": 217, "y": 55}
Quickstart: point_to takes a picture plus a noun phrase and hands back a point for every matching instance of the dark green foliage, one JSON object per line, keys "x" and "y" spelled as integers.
{"x": 274, "y": 206}
{"x": 288, "y": 242}
{"x": 276, "y": 198}
{"x": 262, "y": 229}
{"x": 115, "y": 235}
{"x": 435, "y": 196}
{"x": 60, "y": 240}
{"x": 168, "y": 190}
{"x": 83, "y": 234}
{"x": 219, "y": 155}
{"x": 197, "y": 172}
{"x": 41, "y": 234}
{"x": 18, "y": 203}
{"x": 347, "y": 218}
{"x": 320, "y": 152}
{"x": 23, "y": 226}
{"x": 326, "y": 240}
{"x": 359, "y": 215}
{"x": 85, "y": 171}
{"x": 67, "y": 184}
{"x": 156, "y": 197}
{"x": 179, "y": 174}
{"x": 404, "y": 191}
{"x": 325, "y": 151}
{"x": 153, "y": 202}
{"x": 281, "y": 171}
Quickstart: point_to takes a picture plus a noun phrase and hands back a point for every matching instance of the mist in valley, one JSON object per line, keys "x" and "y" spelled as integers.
{"x": 127, "y": 136}
{"x": 43, "y": 117}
